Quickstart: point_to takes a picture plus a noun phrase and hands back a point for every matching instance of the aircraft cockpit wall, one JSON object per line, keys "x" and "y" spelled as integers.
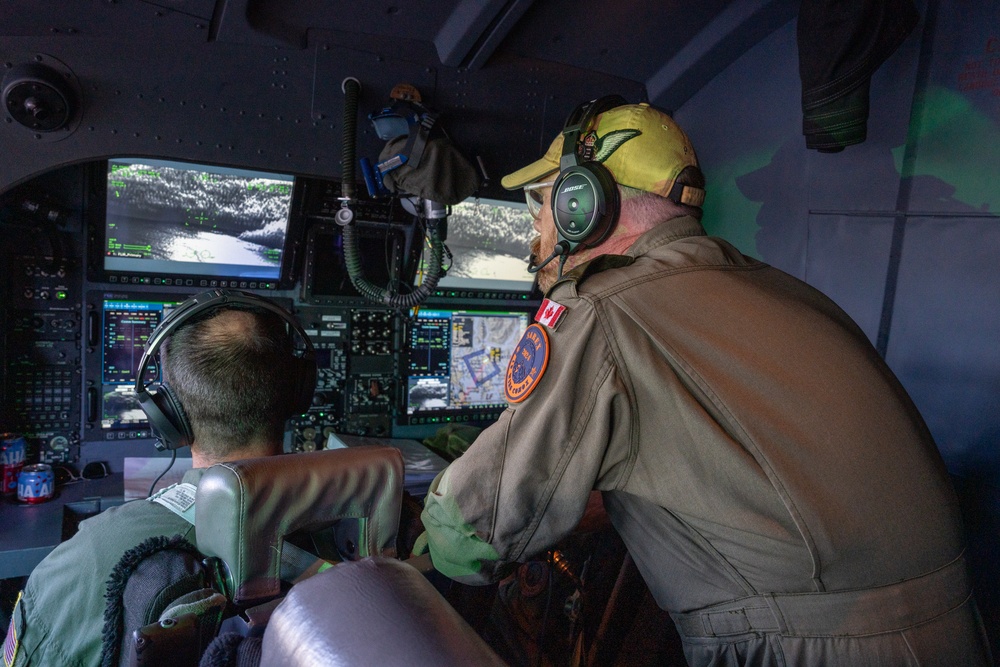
{"x": 156, "y": 150}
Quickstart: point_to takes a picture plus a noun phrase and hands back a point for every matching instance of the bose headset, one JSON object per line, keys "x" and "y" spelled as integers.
{"x": 585, "y": 201}
{"x": 167, "y": 419}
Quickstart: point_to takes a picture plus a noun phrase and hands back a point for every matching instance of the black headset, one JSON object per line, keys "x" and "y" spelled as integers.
{"x": 585, "y": 201}
{"x": 167, "y": 419}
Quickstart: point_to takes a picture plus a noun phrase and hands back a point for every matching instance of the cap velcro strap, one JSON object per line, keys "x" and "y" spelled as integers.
{"x": 687, "y": 194}
{"x": 692, "y": 196}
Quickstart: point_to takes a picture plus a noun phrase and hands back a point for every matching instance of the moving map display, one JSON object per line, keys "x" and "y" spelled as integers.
{"x": 458, "y": 358}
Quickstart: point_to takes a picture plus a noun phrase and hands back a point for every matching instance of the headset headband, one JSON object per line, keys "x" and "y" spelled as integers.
{"x": 578, "y": 121}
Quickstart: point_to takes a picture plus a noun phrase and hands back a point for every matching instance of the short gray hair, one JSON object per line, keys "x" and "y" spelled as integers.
{"x": 648, "y": 206}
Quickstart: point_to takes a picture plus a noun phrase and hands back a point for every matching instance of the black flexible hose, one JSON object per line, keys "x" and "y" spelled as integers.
{"x": 382, "y": 295}
{"x": 352, "y": 88}
{"x": 432, "y": 275}
{"x": 352, "y": 257}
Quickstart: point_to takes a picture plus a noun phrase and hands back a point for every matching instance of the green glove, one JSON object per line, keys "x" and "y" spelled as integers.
{"x": 421, "y": 545}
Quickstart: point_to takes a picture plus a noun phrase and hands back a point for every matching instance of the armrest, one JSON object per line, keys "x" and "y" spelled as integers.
{"x": 375, "y": 611}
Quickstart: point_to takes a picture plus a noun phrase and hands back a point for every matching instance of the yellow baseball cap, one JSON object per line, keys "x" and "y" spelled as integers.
{"x": 642, "y": 147}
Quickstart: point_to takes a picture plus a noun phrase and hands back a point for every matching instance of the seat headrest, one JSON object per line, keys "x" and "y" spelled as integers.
{"x": 245, "y": 509}
{"x": 389, "y": 614}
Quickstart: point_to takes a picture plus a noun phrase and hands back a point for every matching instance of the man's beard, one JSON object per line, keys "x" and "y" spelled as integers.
{"x": 545, "y": 276}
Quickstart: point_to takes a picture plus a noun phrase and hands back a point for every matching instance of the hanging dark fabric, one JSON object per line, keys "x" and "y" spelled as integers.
{"x": 841, "y": 44}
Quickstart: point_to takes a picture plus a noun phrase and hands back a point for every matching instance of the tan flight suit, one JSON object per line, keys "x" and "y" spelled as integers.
{"x": 774, "y": 483}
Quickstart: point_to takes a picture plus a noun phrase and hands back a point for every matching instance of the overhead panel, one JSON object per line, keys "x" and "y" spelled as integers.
{"x": 476, "y": 29}
{"x": 292, "y": 20}
{"x": 725, "y": 38}
{"x": 628, "y": 39}
{"x": 141, "y": 22}
{"x": 199, "y": 8}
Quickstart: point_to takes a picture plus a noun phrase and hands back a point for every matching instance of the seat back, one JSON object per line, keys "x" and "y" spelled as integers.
{"x": 346, "y": 500}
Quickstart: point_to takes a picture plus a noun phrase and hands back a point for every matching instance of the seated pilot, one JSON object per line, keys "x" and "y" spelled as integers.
{"x": 233, "y": 373}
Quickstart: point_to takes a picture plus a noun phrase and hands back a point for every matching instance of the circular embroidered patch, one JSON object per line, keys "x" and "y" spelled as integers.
{"x": 527, "y": 364}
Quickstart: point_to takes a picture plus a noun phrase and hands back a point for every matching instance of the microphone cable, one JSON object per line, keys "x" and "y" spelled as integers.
{"x": 173, "y": 457}
{"x": 560, "y": 249}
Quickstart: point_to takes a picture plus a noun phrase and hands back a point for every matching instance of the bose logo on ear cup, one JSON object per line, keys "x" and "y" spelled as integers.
{"x": 573, "y": 187}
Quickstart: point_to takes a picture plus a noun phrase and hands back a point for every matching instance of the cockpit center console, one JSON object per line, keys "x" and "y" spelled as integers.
{"x": 100, "y": 253}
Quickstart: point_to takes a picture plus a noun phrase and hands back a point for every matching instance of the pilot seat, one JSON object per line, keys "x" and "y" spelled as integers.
{"x": 295, "y": 564}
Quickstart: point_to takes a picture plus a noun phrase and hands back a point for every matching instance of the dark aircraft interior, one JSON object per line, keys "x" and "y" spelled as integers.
{"x": 153, "y": 149}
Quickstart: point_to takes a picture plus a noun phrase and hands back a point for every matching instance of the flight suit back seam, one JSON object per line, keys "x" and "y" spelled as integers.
{"x": 748, "y": 442}
{"x": 618, "y": 364}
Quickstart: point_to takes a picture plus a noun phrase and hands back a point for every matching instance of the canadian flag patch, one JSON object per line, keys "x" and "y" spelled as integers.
{"x": 549, "y": 313}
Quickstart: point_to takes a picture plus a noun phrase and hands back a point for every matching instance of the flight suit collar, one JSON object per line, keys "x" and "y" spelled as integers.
{"x": 666, "y": 232}
{"x": 194, "y": 475}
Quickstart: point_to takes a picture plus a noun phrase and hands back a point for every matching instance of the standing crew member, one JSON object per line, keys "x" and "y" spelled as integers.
{"x": 775, "y": 485}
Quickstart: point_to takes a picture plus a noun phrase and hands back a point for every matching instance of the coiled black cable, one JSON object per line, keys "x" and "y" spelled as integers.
{"x": 383, "y": 295}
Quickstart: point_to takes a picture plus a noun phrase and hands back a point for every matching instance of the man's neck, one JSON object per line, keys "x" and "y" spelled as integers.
{"x": 626, "y": 232}
{"x": 200, "y": 459}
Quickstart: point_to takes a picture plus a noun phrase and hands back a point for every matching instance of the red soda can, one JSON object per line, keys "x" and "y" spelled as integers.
{"x": 12, "y": 452}
{"x": 36, "y": 483}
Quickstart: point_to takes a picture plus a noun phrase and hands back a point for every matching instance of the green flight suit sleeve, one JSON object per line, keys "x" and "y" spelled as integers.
{"x": 524, "y": 483}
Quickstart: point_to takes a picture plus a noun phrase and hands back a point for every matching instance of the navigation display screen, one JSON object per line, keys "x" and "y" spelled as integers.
{"x": 126, "y": 325}
{"x": 458, "y": 360}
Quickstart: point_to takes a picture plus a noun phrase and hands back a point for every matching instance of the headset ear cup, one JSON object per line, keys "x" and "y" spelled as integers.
{"x": 612, "y": 203}
{"x": 167, "y": 419}
{"x": 585, "y": 204}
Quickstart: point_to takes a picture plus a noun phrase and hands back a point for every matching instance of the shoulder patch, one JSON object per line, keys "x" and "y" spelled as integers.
{"x": 550, "y": 313}
{"x": 527, "y": 364}
{"x": 10, "y": 643}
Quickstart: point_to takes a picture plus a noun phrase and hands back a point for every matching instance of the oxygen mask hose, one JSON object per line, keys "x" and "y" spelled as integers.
{"x": 431, "y": 212}
{"x": 345, "y": 216}
{"x": 352, "y": 89}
